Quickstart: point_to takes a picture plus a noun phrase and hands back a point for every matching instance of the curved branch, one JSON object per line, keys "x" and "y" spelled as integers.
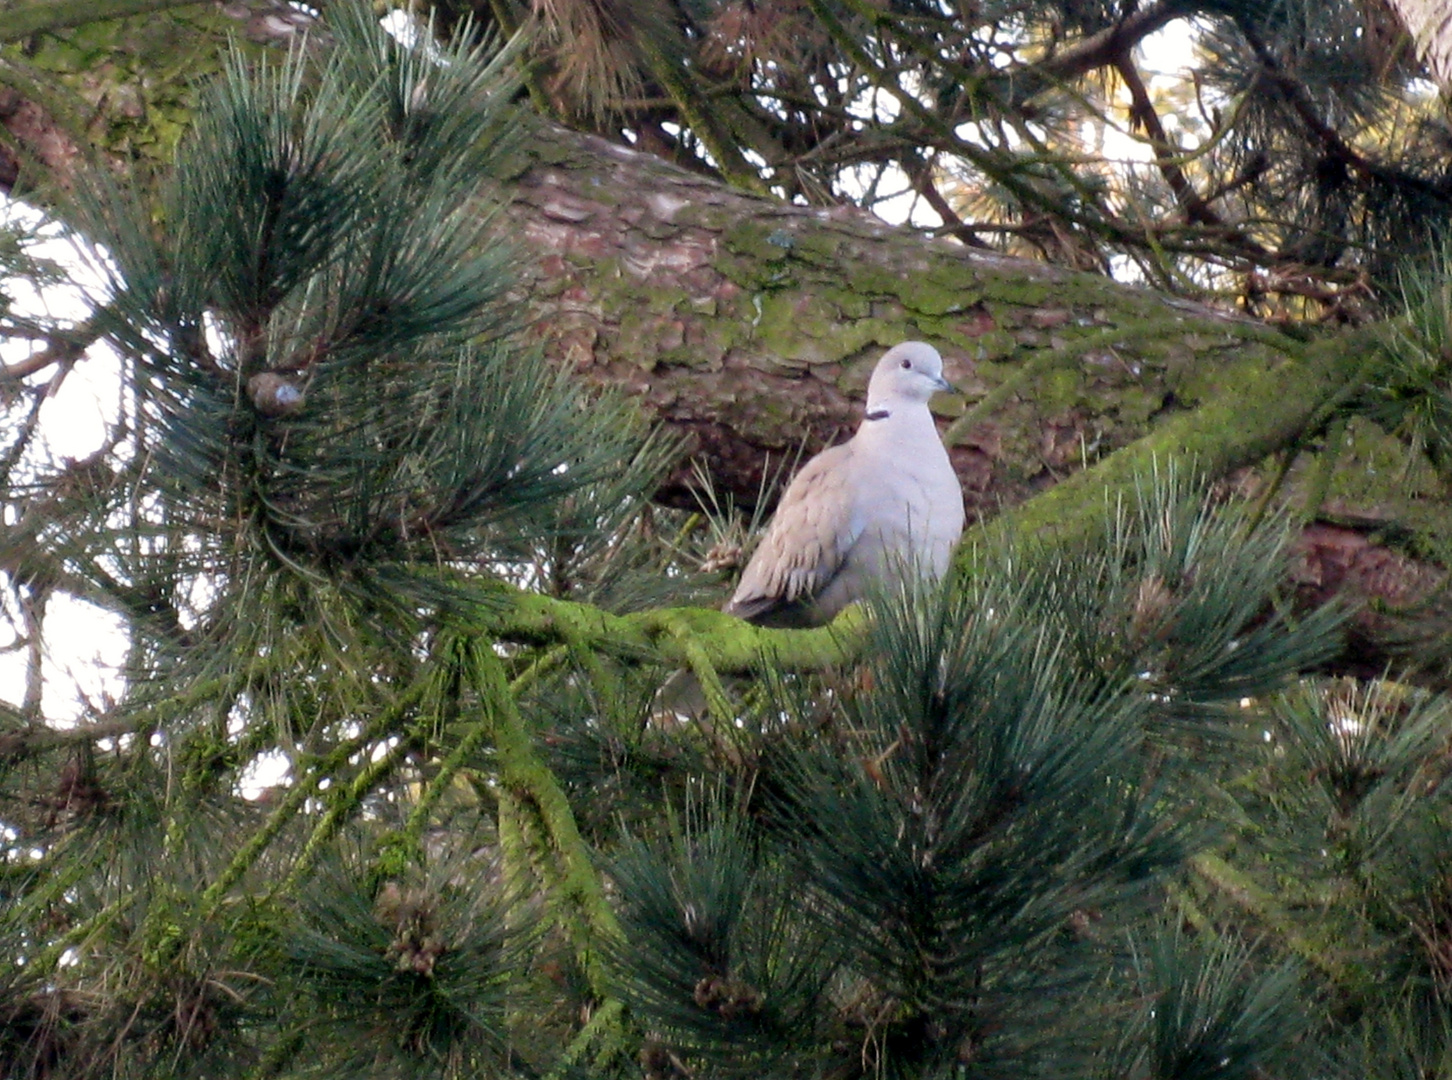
{"x": 1101, "y": 49}
{"x": 1260, "y": 413}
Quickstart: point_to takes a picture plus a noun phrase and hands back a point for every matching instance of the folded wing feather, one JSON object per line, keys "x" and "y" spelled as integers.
{"x": 815, "y": 526}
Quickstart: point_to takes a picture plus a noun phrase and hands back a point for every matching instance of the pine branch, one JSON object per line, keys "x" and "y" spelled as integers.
{"x": 1042, "y": 361}
{"x": 717, "y": 699}
{"x": 345, "y": 804}
{"x": 920, "y": 172}
{"x": 457, "y": 759}
{"x": 39, "y": 737}
{"x": 1096, "y": 51}
{"x": 731, "y": 646}
{"x": 603, "y": 1026}
{"x": 1333, "y": 143}
{"x": 680, "y": 84}
{"x": 1196, "y": 208}
{"x": 1268, "y": 913}
{"x": 48, "y": 957}
{"x": 533, "y": 785}
{"x": 385, "y": 723}
{"x": 942, "y": 131}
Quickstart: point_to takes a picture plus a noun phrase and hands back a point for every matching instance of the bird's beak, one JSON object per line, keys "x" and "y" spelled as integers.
{"x": 947, "y": 387}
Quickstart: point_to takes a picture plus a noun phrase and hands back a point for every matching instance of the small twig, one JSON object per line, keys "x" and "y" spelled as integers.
{"x": 920, "y": 172}
{"x": 61, "y": 348}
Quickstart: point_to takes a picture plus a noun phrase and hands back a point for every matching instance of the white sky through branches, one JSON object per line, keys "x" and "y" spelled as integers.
{"x": 85, "y": 645}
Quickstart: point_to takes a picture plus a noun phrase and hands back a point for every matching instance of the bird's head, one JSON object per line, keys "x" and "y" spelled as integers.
{"x": 910, "y": 372}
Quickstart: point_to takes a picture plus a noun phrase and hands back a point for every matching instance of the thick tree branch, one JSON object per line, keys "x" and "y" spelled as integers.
{"x": 1266, "y": 410}
{"x": 40, "y": 16}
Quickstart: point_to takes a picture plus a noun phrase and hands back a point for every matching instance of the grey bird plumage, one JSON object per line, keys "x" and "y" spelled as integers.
{"x": 884, "y": 501}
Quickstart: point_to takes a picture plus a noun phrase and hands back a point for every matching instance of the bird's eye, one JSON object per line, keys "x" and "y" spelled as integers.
{"x": 907, "y": 365}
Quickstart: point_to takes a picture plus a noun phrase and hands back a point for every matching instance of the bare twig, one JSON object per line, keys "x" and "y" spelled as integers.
{"x": 64, "y": 347}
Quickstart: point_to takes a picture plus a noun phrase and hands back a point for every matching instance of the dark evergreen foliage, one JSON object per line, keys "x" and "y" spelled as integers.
{"x": 977, "y": 846}
{"x": 1083, "y": 810}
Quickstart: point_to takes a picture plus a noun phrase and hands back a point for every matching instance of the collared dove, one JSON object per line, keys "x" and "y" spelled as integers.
{"x": 885, "y": 500}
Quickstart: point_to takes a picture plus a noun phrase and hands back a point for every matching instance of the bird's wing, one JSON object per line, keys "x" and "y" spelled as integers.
{"x": 816, "y": 524}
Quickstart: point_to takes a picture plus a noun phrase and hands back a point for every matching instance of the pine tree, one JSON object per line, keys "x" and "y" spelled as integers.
{"x": 1088, "y": 809}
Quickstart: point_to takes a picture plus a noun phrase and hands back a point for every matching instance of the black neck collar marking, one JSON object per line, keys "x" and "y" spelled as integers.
{"x": 877, "y": 414}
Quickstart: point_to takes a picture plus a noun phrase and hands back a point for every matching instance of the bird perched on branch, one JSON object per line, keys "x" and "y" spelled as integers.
{"x": 885, "y": 501}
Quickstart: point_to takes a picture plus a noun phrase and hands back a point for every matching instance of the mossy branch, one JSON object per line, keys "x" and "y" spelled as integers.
{"x": 47, "y": 958}
{"x": 1261, "y": 906}
{"x": 1324, "y": 469}
{"x": 531, "y": 784}
{"x": 378, "y": 728}
{"x": 344, "y": 805}
{"x": 31, "y": 906}
{"x": 602, "y": 1027}
{"x": 1264, "y": 410}
{"x": 505, "y": 15}
{"x": 1073, "y": 352}
{"x": 679, "y": 83}
{"x": 731, "y": 646}
{"x": 47, "y": 16}
{"x": 30, "y": 739}
{"x": 530, "y": 865}
{"x": 513, "y": 843}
